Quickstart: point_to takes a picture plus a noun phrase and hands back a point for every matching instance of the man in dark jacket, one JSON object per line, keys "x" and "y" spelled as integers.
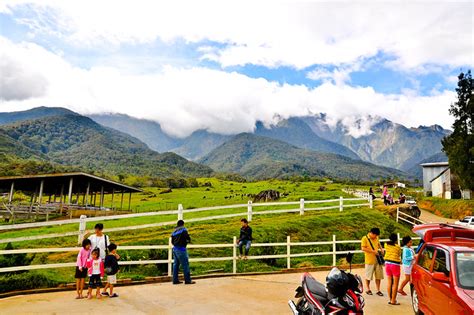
{"x": 245, "y": 238}
{"x": 180, "y": 239}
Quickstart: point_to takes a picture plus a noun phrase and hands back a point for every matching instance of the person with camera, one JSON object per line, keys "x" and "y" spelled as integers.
{"x": 374, "y": 261}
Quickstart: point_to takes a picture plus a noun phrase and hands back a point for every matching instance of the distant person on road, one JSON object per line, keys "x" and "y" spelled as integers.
{"x": 95, "y": 269}
{"x": 392, "y": 267}
{"x": 111, "y": 269}
{"x": 180, "y": 239}
{"x": 100, "y": 240}
{"x": 371, "y": 247}
{"x": 81, "y": 267}
{"x": 245, "y": 238}
{"x": 408, "y": 258}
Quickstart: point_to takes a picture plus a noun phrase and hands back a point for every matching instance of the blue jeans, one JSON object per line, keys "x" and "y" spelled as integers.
{"x": 247, "y": 246}
{"x": 181, "y": 258}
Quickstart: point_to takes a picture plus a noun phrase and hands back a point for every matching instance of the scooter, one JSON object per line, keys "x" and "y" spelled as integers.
{"x": 342, "y": 294}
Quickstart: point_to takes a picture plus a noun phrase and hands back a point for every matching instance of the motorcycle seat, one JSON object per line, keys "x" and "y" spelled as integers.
{"x": 318, "y": 289}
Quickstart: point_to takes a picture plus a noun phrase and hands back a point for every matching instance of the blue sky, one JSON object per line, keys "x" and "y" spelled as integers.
{"x": 310, "y": 57}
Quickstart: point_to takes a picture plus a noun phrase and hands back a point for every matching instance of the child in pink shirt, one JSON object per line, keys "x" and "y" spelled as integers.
{"x": 95, "y": 268}
{"x": 81, "y": 267}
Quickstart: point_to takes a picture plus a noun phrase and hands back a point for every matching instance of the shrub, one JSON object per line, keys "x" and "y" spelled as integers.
{"x": 25, "y": 281}
{"x": 14, "y": 260}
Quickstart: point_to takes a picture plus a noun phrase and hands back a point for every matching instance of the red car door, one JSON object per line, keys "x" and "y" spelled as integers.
{"x": 439, "y": 292}
{"x": 442, "y": 297}
{"x": 422, "y": 276}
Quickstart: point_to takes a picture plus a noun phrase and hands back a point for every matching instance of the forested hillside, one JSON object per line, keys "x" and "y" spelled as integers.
{"x": 261, "y": 157}
{"x": 78, "y": 141}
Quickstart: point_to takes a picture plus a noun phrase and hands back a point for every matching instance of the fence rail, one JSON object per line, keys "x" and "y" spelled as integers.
{"x": 180, "y": 212}
{"x": 234, "y": 258}
{"x": 402, "y": 216}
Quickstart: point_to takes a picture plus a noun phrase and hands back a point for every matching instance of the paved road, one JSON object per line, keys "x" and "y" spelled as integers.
{"x": 237, "y": 295}
{"x": 431, "y": 217}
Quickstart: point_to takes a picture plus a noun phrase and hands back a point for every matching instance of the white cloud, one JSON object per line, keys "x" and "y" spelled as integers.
{"x": 186, "y": 99}
{"x": 271, "y": 33}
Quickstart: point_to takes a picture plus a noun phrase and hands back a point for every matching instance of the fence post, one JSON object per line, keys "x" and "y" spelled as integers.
{"x": 82, "y": 228}
{"x": 341, "y": 203}
{"x": 398, "y": 237}
{"x": 398, "y": 209}
{"x": 371, "y": 202}
{"x": 180, "y": 212}
{"x": 234, "y": 255}
{"x": 334, "y": 250}
{"x": 288, "y": 252}
{"x": 301, "y": 206}
{"x": 249, "y": 211}
{"x": 170, "y": 256}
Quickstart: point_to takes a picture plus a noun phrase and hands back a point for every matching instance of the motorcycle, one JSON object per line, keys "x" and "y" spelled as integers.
{"x": 341, "y": 295}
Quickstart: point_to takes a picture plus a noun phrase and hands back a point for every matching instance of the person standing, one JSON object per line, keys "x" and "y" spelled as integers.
{"x": 81, "y": 267}
{"x": 245, "y": 238}
{"x": 408, "y": 258}
{"x": 180, "y": 239}
{"x": 111, "y": 269}
{"x": 385, "y": 195}
{"x": 392, "y": 267}
{"x": 95, "y": 269}
{"x": 371, "y": 247}
{"x": 100, "y": 240}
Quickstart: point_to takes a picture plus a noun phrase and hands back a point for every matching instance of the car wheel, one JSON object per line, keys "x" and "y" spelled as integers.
{"x": 415, "y": 303}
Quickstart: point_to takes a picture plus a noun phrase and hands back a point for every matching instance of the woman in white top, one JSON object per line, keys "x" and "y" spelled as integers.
{"x": 99, "y": 240}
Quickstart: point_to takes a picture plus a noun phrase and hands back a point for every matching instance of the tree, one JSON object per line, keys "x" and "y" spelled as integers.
{"x": 459, "y": 146}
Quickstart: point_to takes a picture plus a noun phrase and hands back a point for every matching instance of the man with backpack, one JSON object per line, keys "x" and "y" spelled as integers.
{"x": 100, "y": 240}
{"x": 111, "y": 269}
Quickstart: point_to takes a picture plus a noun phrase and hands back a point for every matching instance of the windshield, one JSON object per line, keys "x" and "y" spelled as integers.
{"x": 465, "y": 269}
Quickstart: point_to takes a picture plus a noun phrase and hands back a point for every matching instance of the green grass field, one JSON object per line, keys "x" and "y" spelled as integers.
{"x": 352, "y": 223}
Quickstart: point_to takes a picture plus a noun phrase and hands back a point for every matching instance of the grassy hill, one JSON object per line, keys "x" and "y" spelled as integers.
{"x": 260, "y": 157}
{"x": 76, "y": 140}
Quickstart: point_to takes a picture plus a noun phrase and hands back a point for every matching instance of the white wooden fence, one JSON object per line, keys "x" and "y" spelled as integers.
{"x": 401, "y": 216}
{"x": 234, "y": 258}
{"x": 303, "y": 205}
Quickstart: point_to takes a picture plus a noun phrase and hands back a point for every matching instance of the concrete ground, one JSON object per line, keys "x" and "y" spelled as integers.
{"x": 266, "y": 294}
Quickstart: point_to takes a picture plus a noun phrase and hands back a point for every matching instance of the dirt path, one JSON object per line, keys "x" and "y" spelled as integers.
{"x": 237, "y": 295}
{"x": 428, "y": 217}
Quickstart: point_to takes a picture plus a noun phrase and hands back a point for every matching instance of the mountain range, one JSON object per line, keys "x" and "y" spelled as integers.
{"x": 263, "y": 158}
{"x": 311, "y": 145}
{"x": 371, "y": 139}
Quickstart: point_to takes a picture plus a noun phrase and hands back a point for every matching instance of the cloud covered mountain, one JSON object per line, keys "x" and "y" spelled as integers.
{"x": 381, "y": 141}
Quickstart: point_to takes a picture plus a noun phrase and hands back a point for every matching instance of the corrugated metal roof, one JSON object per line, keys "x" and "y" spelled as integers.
{"x": 79, "y": 179}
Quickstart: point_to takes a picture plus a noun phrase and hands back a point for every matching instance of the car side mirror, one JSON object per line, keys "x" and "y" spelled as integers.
{"x": 441, "y": 277}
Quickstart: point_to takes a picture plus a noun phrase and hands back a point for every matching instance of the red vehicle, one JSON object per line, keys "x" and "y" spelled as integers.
{"x": 443, "y": 273}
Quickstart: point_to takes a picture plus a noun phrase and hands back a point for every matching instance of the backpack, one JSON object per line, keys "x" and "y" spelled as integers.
{"x": 111, "y": 267}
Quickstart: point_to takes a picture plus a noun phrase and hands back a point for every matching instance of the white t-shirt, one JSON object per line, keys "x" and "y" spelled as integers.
{"x": 100, "y": 243}
{"x": 96, "y": 266}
